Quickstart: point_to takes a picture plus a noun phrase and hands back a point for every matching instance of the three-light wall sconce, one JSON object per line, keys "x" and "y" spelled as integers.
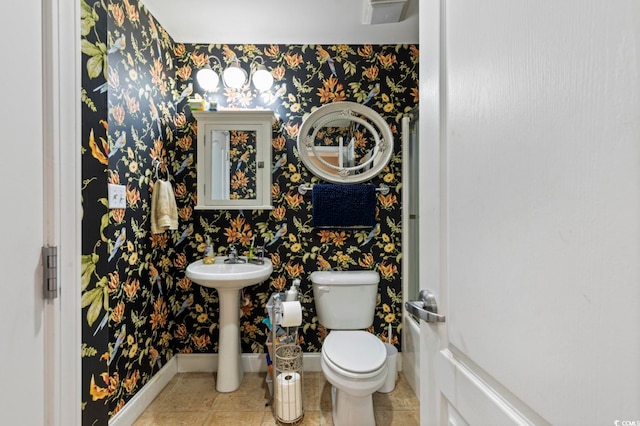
{"x": 234, "y": 76}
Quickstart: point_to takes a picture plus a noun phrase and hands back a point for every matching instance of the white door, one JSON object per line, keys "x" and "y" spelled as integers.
{"x": 530, "y": 211}
{"x": 40, "y": 350}
{"x": 22, "y": 308}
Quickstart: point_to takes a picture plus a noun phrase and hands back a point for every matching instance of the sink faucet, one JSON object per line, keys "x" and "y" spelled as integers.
{"x": 233, "y": 256}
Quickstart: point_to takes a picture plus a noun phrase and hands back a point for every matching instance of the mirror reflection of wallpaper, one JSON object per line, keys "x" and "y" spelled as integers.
{"x": 138, "y": 308}
{"x": 242, "y": 158}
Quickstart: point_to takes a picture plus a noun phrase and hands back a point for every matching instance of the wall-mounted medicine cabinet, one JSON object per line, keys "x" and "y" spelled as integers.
{"x": 234, "y": 159}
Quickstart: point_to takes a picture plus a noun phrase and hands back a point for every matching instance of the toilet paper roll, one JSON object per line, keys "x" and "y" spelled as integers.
{"x": 288, "y": 396}
{"x": 291, "y": 313}
{"x": 289, "y": 412}
{"x": 288, "y": 386}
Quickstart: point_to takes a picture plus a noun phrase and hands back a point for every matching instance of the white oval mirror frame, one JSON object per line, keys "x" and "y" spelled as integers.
{"x": 341, "y": 111}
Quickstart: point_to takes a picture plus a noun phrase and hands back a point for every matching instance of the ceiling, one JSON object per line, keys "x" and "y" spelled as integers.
{"x": 280, "y": 22}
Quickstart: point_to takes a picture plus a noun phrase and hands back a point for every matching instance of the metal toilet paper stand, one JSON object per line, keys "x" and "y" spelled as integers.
{"x": 285, "y": 380}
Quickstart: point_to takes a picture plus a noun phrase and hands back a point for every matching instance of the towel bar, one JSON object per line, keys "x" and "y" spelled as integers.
{"x": 382, "y": 188}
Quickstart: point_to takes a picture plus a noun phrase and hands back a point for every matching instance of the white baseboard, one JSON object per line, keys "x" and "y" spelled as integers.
{"x": 136, "y": 405}
{"x": 198, "y": 363}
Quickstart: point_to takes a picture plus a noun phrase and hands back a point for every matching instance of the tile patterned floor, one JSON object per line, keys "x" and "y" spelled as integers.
{"x": 191, "y": 399}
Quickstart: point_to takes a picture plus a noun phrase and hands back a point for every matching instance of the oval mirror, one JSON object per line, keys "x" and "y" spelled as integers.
{"x": 345, "y": 142}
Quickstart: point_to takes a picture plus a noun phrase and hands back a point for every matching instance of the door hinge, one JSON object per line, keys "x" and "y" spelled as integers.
{"x": 50, "y": 272}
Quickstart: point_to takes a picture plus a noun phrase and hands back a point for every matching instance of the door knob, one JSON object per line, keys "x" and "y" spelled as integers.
{"x": 426, "y": 308}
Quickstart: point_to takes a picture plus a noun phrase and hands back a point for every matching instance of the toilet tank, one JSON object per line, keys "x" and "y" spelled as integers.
{"x": 345, "y": 300}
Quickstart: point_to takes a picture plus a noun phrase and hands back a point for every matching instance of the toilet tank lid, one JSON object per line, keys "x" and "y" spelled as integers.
{"x": 345, "y": 277}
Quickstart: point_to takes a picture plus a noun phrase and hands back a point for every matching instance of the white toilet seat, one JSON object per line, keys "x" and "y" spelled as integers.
{"x": 354, "y": 354}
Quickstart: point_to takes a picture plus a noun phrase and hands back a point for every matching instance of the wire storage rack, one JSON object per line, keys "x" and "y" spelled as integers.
{"x": 285, "y": 378}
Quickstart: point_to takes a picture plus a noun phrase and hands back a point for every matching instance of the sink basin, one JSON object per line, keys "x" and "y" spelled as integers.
{"x": 228, "y": 275}
{"x": 229, "y": 279}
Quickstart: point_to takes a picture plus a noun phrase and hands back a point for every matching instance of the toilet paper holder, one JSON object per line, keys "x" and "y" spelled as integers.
{"x": 287, "y": 383}
{"x": 286, "y": 397}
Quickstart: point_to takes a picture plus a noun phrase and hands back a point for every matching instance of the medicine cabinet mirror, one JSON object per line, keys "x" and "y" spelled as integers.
{"x": 345, "y": 142}
{"x": 234, "y": 159}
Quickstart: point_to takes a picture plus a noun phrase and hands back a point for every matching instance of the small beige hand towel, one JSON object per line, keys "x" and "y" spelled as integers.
{"x": 164, "y": 212}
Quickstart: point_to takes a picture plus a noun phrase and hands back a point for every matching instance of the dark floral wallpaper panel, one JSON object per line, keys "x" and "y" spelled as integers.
{"x": 139, "y": 309}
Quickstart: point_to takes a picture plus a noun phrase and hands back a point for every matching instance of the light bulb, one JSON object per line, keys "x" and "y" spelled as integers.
{"x": 262, "y": 79}
{"x": 208, "y": 79}
{"x": 234, "y": 76}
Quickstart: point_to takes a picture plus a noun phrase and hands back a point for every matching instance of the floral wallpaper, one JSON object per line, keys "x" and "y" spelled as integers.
{"x": 139, "y": 309}
{"x": 242, "y": 157}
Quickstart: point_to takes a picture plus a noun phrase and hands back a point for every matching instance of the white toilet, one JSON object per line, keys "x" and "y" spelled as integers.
{"x": 353, "y": 360}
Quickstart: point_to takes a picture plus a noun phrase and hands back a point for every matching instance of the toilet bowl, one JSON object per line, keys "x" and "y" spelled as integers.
{"x": 353, "y": 360}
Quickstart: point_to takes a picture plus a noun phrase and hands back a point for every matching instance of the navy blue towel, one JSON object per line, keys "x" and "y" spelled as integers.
{"x": 344, "y": 206}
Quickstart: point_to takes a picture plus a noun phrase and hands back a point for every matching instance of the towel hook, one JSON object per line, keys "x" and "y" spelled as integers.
{"x": 157, "y": 164}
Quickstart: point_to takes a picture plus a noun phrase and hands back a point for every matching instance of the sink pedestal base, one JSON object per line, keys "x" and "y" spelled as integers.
{"x": 230, "y": 371}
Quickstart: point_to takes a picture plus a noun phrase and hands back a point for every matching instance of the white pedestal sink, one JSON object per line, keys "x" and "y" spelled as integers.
{"x": 229, "y": 279}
